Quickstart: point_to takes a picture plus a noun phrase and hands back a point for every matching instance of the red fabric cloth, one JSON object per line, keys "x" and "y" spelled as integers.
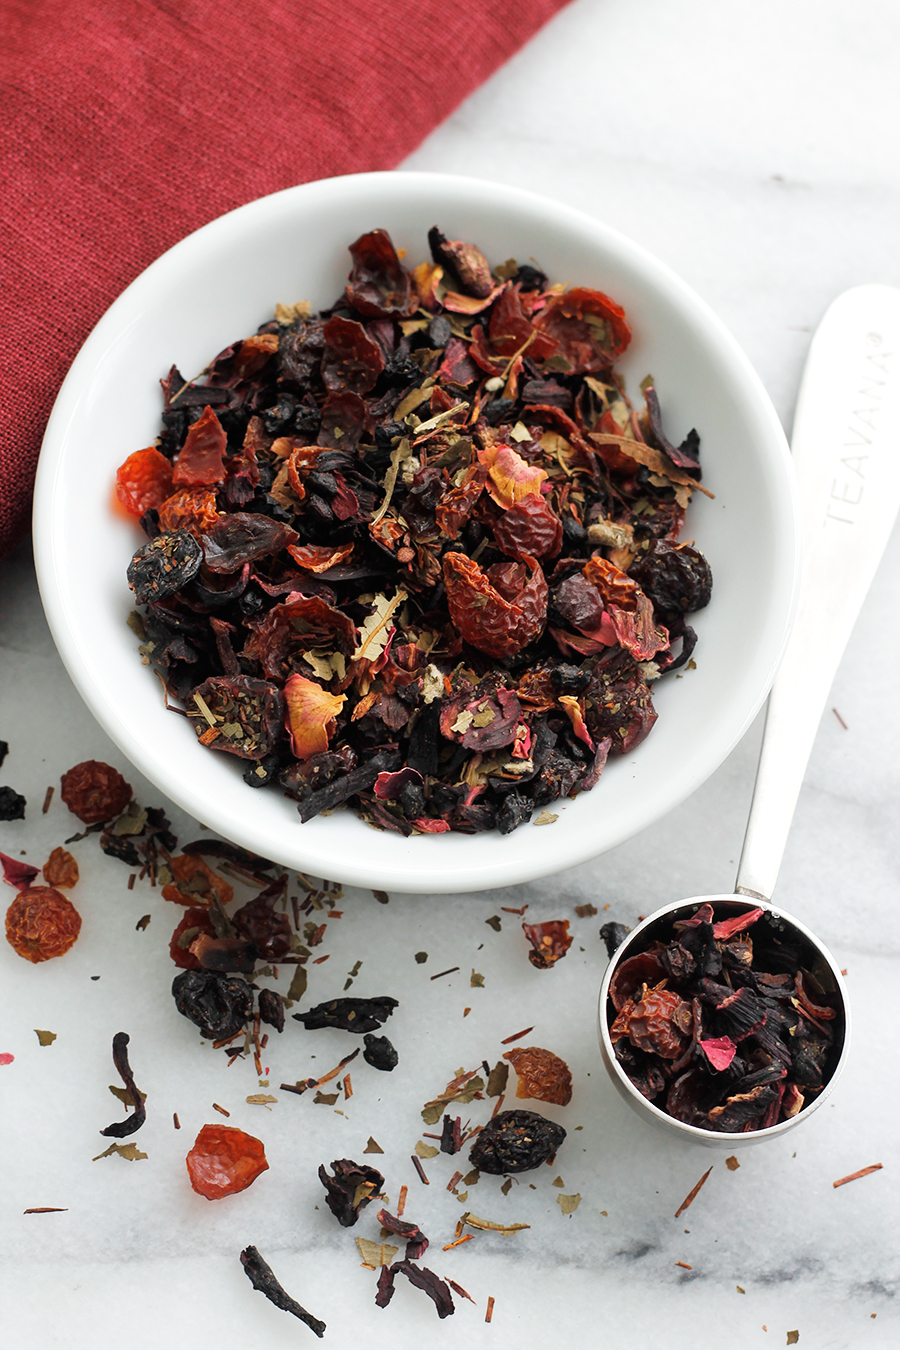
{"x": 128, "y": 123}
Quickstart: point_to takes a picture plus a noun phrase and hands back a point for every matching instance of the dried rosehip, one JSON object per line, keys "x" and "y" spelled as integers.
{"x": 485, "y": 619}
{"x": 542, "y": 1075}
{"x": 660, "y": 1023}
{"x": 191, "y": 509}
{"x": 94, "y": 791}
{"x": 60, "y": 869}
{"x": 164, "y": 565}
{"x": 194, "y": 923}
{"x": 515, "y": 1141}
{"x": 529, "y": 528}
{"x": 202, "y": 459}
{"x": 224, "y": 1160}
{"x": 194, "y": 882}
{"x": 549, "y": 941}
{"x": 41, "y": 923}
{"x": 218, "y": 1004}
{"x": 144, "y": 481}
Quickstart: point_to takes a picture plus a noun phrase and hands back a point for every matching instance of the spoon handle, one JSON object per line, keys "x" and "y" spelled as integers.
{"x": 846, "y": 451}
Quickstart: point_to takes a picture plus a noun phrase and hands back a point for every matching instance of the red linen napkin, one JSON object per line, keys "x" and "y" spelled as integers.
{"x": 128, "y": 123}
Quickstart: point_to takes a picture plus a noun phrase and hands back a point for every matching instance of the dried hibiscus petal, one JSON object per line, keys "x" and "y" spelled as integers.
{"x": 349, "y": 1014}
{"x": 224, "y": 1160}
{"x": 542, "y": 1075}
{"x": 379, "y": 285}
{"x": 350, "y": 1189}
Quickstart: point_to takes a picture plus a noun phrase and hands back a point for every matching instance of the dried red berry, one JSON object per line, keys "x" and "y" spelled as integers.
{"x": 659, "y": 1023}
{"x": 144, "y": 481}
{"x": 41, "y": 923}
{"x": 94, "y": 791}
{"x": 549, "y": 941}
{"x": 60, "y": 869}
{"x": 542, "y": 1075}
{"x": 224, "y": 1160}
{"x": 485, "y": 619}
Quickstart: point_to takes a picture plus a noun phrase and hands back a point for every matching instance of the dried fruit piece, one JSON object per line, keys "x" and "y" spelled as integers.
{"x": 310, "y": 715}
{"x": 515, "y": 1141}
{"x": 60, "y": 869}
{"x": 659, "y": 1022}
{"x": 380, "y": 1053}
{"x": 12, "y": 804}
{"x": 144, "y": 481}
{"x": 218, "y": 1004}
{"x": 164, "y": 565}
{"x": 542, "y": 1075}
{"x": 549, "y": 941}
{"x": 224, "y": 1160}
{"x": 494, "y": 624}
{"x": 41, "y": 923}
{"x": 202, "y": 459}
{"x": 94, "y": 791}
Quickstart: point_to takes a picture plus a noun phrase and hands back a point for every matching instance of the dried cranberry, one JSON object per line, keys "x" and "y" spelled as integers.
{"x": 515, "y": 1141}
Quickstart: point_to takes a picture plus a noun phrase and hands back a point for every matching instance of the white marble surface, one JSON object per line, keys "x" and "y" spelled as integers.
{"x": 755, "y": 149}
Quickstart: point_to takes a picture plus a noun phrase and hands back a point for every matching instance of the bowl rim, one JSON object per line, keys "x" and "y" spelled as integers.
{"x": 426, "y": 872}
{"x": 654, "y": 1114}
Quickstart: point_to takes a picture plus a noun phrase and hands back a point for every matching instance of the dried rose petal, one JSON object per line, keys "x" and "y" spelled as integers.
{"x": 719, "y": 1050}
{"x": 510, "y": 477}
{"x": 310, "y": 715}
{"x": 550, "y": 941}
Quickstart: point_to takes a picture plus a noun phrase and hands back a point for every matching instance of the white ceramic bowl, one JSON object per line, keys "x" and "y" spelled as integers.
{"x": 218, "y": 285}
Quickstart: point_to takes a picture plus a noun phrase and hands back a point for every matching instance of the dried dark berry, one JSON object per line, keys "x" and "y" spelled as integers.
{"x": 349, "y": 1014}
{"x": 164, "y": 565}
{"x": 515, "y": 1141}
{"x": 350, "y": 1189}
{"x": 380, "y": 1053}
{"x": 676, "y": 577}
{"x": 271, "y": 1008}
{"x": 514, "y": 811}
{"x": 613, "y": 935}
{"x": 218, "y": 1004}
{"x": 12, "y": 804}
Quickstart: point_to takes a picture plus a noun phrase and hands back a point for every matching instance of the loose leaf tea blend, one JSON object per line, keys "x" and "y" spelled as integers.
{"x": 417, "y": 554}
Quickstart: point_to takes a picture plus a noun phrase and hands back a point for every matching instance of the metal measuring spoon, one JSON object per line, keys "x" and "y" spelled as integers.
{"x": 846, "y": 452}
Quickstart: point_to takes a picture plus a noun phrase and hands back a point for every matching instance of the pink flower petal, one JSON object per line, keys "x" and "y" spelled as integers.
{"x": 719, "y": 1050}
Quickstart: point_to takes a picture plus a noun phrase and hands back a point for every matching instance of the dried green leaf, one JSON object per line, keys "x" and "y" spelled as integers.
{"x": 124, "y": 1096}
{"x": 568, "y": 1203}
{"x": 376, "y": 1253}
{"x": 45, "y": 1037}
{"x": 426, "y": 1150}
{"x": 129, "y": 1151}
{"x": 476, "y": 980}
{"x": 372, "y": 1147}
{"x": 497, "y": 1079}
{"x": 326, "y": 1098}
{"x": 495, "y": 922}
{"x": 261, "y": 1099}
